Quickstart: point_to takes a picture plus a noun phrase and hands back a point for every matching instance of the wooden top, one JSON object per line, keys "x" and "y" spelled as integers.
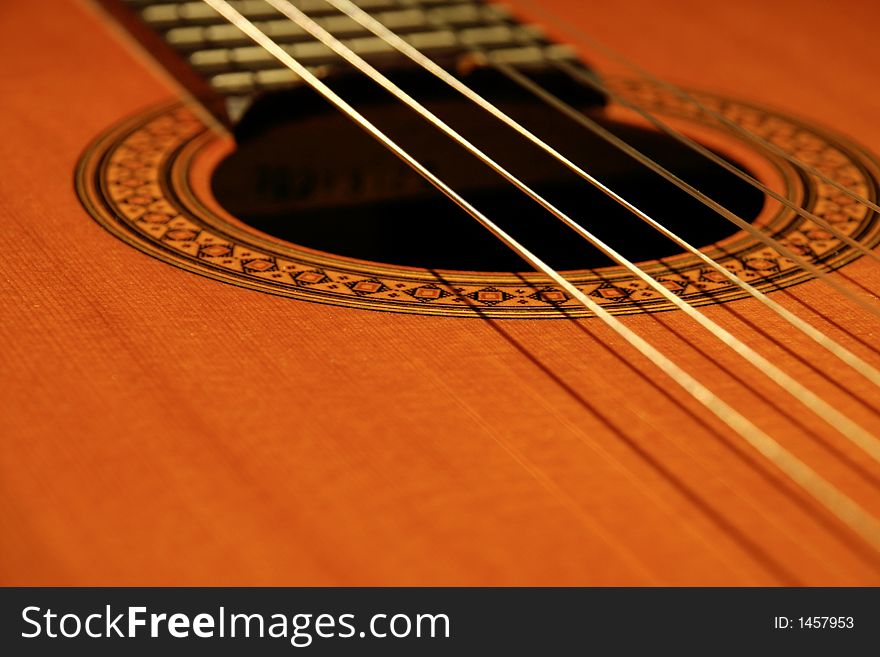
{"x": 163, "y": 428}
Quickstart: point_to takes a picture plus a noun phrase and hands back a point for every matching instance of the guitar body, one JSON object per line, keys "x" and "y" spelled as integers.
{"x": 162, "y": 427}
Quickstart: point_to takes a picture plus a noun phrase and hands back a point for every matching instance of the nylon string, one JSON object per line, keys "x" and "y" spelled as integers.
{"x": 846, "y": 509}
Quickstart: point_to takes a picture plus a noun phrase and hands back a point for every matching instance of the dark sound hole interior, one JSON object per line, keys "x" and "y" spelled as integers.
{"x": 305, "y": 173}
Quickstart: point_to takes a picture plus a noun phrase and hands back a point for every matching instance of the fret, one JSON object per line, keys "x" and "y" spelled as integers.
{"x": 442, "y": 29}
{"x": 165, "y": 15}
{"x": 282, "y": 30}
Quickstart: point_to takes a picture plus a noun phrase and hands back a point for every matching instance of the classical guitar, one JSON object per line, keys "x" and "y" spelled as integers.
{"x": 440, "y": 292}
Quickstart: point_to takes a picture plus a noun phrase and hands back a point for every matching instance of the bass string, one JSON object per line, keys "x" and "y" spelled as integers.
{"x": 380, "y": 30}
{"x": 682, "y": 138}
{"x": 848, "y": 511}
{"x": 581, "y": 36}
{"x": 857, "y": 434}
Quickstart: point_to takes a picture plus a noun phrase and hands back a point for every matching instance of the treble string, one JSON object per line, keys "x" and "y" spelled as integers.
{"x": 365, "y": 19}
{"x": 861, "y": 366}
{"x": 835, "y": 501}
{"x": 694, "y": 145}
{"x": 380, "y": 30}
{"x": 846, "y": 426}
{"x": 839, "y": 421}
{"x": 595, "y": 44}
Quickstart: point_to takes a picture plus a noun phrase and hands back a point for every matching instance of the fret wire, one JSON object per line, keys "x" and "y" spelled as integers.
{"x": 834, "y": 500}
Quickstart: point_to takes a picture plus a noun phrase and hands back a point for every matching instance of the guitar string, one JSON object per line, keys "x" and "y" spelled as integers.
{"x": 592, "y": 42}
{"x": 764, "y": 143}
{"x": 694, "y": 145}
{"x": 864, "y": 368}
{"x": 380, "y": 30}
{"x": 826, "y": 494}
{"x": 371, "y": 23}
{"x": 854, "y": 432}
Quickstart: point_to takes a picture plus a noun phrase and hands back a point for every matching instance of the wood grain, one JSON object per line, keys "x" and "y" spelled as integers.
{"x": 162, "y": 428}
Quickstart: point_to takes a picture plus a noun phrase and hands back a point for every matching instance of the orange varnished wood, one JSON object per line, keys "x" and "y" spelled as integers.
{"x": 163, "y": 428}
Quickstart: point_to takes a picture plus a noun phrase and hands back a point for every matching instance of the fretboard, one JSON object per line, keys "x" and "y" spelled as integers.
{"x": 237, "y": 69}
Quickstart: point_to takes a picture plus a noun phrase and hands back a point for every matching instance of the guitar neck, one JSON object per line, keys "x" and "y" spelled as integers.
{"x": 226, "y": 70}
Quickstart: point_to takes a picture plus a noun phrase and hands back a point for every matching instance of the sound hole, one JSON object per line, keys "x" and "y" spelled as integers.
{"x": 305, "y": 173}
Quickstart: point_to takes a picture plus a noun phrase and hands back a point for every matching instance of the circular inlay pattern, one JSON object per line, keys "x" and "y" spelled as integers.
{"x": 135, "y": 181}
